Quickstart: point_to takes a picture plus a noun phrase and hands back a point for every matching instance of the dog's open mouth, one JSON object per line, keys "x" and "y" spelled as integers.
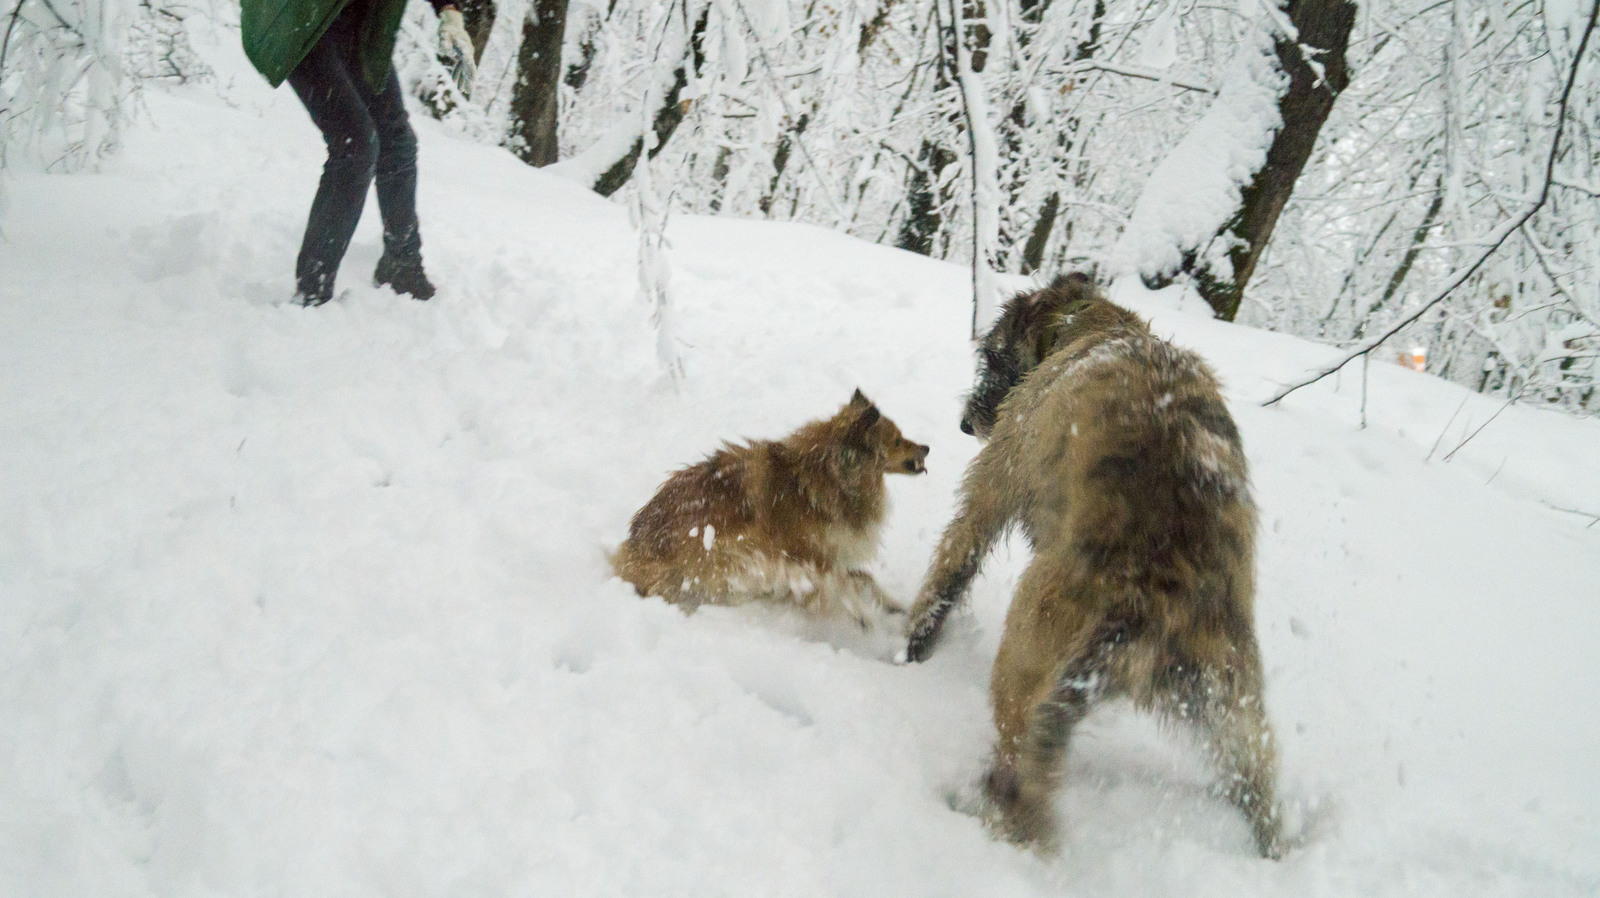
{"x": 915, "y": 466}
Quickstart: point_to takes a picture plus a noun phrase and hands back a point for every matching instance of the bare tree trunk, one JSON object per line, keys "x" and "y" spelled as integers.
{"x": 923, "y": 199}
{"x": 1324, "y": 25}
{"x": 536, "y": 96}
{"x": 983, "y": 154}
{"x": 578, "y": 70}
{"x": 871, "y": 27}
{"x": 1043, "y": 223}
{"x": 780, "y": 160}
{"x": 667, "y": 117}
{"x": 1012, "y": 128}
{"x": 1366, "y": 251}
{"x": 719, "y": 177}
{"x": 1039, "y": 237}
{"x": 974, "y": 16}
{"x": 1418, "y": 237}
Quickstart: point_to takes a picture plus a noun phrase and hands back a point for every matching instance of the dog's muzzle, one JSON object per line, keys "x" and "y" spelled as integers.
{"x": 917, "y": 465}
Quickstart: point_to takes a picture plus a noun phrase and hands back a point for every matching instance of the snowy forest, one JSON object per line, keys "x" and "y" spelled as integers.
{"x": 322, "y": 599}
{"x": 1383, "y": 177}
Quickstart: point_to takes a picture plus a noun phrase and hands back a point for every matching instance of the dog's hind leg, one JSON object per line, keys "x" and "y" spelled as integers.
{"x": 1027, "y": 773}
{"x": 1056, "y": 659}
{"x": 1227, "y": 707}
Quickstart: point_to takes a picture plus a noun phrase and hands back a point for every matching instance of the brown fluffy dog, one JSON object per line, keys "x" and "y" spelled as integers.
{"x": 1113, "y": 451}
{"x": 791, "y": 520}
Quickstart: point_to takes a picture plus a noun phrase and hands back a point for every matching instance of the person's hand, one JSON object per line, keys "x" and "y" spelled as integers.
{"x": 455, "y": 48}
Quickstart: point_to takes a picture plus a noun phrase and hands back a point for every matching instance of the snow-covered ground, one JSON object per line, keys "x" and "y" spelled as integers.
{"x": 314, "y": 602}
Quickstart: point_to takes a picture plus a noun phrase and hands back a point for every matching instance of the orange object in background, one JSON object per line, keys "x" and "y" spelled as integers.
{"x": 1415, "y": 358}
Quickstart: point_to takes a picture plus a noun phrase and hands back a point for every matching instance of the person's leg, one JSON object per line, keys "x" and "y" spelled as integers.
{"x": 401, "y": 264}
{"x": 323, "y": 81}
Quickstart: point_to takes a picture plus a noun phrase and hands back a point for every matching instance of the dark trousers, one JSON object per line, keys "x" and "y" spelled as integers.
{"x": 367, "y": 135}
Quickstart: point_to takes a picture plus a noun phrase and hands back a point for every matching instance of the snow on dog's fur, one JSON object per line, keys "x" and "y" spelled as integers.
{"x": 792, "y": 520}
{"x": 1113, "y": 451}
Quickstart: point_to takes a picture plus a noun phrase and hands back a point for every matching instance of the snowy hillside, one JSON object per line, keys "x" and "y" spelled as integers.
{"x": 314, "y": 602}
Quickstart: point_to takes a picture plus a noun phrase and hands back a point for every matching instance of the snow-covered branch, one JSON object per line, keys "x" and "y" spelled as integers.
{"x": 1492, "y": 242}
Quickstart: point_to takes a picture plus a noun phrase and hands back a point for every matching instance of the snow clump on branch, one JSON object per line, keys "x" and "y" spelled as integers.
{"x": 1193, "y": 193}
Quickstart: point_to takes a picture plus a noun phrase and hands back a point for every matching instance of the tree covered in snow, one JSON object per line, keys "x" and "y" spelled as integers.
{"x": 1444, "y": 137}
{"x": 1210, "y": 208}
{"x": 63, "y": 82}
{"x": 1168, "y": 139}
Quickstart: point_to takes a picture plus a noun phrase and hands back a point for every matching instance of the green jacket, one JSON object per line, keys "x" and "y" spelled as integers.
{"x": 279, "y": 33}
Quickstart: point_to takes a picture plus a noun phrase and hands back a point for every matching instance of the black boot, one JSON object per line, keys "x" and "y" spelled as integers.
{"x": 402, "y": 277}
{"x": 314, "y": 288}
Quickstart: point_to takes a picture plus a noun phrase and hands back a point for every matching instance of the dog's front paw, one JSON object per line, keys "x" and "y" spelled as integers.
{"x": 923, "y": 629}
{"x": 918, "y": 647}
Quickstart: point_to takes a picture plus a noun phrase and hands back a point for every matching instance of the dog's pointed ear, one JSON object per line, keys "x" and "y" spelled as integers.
{"x": 856, "y": 433}
{"x": 859, "y": 399}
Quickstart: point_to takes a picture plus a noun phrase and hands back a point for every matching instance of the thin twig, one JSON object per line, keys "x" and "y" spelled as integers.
{"x": 1555, "y": 280}
{"x": 60, "y": 20}
{"x": 1365, "y": 364}
{"x": 1541, "y": 254}
{"x": 1574, "y": 184}
{"x": 1508, "y": 403}
{"x": 5, "y": 45}
{"x": 1128, "y": 71}
{"x": 1497, "y": 470}
{"x": 1496, "y": 240}
{"x": 1446, "y": 429}
{"x": 1595, "y": 518}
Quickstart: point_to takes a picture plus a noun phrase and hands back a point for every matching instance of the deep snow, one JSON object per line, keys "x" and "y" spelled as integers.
{"x": 314, "y": 602}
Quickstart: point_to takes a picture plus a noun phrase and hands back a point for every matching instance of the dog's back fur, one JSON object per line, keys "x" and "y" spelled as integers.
{"x": 1113, "y": 451}
{"x": 791, "y": 520}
